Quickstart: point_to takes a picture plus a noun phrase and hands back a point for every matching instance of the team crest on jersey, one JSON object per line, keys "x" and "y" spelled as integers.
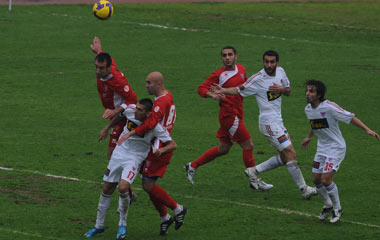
{"x": 323, "y": 114}
{"x": 126, "y": 88}
{"x": 316, "y": 165}
{"x": 131, "y": 125}
{"x": 282, "y": 139}
{"x": 319, "y": 123}
{"x": 273, "y": 96}
{"x": 156, "y": 108}
{"x": 107, "y": 172}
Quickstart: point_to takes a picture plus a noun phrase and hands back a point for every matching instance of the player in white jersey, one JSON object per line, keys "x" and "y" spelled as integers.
{"x": 268, "y": 85}
{"x": 125, "y": 163}
{"x": 331, "y": 148}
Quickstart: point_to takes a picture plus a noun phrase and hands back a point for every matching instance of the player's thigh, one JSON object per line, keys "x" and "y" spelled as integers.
{"x": 156, "y": 166}
{"x": 130, "y": 170}
{"x": 277, "y": 136}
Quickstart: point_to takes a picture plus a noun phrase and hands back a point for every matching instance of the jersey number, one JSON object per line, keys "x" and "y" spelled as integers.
{"x": 171, "y": 117}
{"x": 131, "y": 175}
{"x": 328, "y": 167}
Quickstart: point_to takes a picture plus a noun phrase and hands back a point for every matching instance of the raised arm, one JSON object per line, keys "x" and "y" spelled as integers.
{"x": 96, "y": 45}
{"x": 169, "y": 147}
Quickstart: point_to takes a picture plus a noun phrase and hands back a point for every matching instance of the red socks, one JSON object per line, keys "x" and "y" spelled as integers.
{"x": 206, "y": 157}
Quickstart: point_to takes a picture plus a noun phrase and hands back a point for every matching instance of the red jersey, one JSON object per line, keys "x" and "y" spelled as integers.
{"x": 114, "y": 90}
{"x": 231, "y": 105}
{"x": 163, "y": 112}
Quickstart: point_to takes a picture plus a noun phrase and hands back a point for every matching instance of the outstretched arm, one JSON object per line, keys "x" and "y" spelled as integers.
{"x": 307, "y": 140}
{"x": 215, "y": 88}
{"x": 356, "y": 121}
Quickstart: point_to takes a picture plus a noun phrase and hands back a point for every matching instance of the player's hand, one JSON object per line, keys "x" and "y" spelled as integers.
{"x": 305, "y": 143}
{"x": 123, "y": 138}
{"x": 109, "y": 113}
{"x": 216, "y": 88}
{"x": 275, "y": 88}
{"x": 157, "y": 152}
{"x": 96, "y": 46}
{"x": 103, "y": 134}
{"x": 372, "y": 133}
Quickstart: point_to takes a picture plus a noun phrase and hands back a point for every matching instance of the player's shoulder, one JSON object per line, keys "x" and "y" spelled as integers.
{"x": 308, "y": 108}
{"x": 240, "y": 67}
{"x": 255, "y": 77}
{"x": 331, "y": 105}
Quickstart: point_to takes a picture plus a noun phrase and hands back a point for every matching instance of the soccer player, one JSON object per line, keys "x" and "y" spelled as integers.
{"x": 125, "y": 163}
{"x": 331, "y": 148}
{"x": 268, "y": 85}
{"x": 155, "y": 166}
{"x": 114, "y": 91}
{"x": 232, "y": 127}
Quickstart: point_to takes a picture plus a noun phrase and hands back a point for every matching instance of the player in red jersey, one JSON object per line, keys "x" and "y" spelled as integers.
{"x": 231, "y": 116}
{"x": 155, "y": 167}
{"x": 114, "y": 92}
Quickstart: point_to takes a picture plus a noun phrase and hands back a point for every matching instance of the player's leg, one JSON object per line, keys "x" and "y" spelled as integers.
{"x": 317, "y": 170}
{"x": 124, "y": 202}
{"x": 242, "y": 136}
{"x": 114, "y": 136}
{"x": 329, "y": 170}
{"x": 222, "y": 149}
{"x": 288, "y": 156}
{"x": 103, "y": 205}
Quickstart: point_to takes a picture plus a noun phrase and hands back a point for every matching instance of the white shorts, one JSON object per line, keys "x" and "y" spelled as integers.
{"x": 277, "y": 135}
{"x": 122, "y": 166}
{"x": 323, "y": 164}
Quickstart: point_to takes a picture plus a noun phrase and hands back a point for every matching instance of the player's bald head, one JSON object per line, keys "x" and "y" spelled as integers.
{"x": 155, "y": 77}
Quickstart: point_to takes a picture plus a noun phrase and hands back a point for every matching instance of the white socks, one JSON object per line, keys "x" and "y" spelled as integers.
{"x": 296, "y": 173}
{"x": 332, "y": 190}
{"x": 178, "y": 209}
{"x": 124, "y": 201}
{"x": 103, "y": 205}
{"x": 269, "y": 164}
{"x": 322, "y": 191}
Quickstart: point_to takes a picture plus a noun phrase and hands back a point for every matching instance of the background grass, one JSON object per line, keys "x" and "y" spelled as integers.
{"x": 51, "y": 115}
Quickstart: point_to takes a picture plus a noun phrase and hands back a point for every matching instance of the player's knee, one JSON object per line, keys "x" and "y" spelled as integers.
{"x": 147, "y": 185}
{"x": 123, "y": 186}
{"x": 109, "y": 188}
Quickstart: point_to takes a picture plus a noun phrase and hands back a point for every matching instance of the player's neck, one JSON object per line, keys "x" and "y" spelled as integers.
{"x": 161, "y": 92}
{"x": 230, "y": 68}
{"x": 315, "y": 104}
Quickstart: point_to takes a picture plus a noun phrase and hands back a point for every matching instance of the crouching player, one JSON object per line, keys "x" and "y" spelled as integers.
{"x": 125, "y": 163}
{"x": 331, "y": 149}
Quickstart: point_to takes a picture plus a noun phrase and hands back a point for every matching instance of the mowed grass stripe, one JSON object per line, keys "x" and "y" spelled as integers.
{"x": 281, "y": 210}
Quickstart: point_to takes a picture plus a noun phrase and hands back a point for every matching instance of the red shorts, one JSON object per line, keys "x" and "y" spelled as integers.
{"x": 156, "y": 166}
{"x": 232, "y": 129}
{"x": 115, "y": 134}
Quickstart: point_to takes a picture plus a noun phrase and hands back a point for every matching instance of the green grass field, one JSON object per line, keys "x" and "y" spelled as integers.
{"x": 51, "y": 116}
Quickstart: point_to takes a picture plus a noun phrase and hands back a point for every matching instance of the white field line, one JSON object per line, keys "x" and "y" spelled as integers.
{"x": 27, "y": 234}
{"x": 281, "y": 210}
{"x": 153, "y": 25}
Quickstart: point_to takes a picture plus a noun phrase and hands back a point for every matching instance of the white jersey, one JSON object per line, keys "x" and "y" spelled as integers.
{"x": 138, "y": 147}
{"x": 324, "y": 123}
{"x": 269, "y": 103}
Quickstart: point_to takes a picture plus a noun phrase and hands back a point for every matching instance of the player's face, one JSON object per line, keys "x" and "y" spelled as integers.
{"x": 229, "y": 58}
{"x": 102, "y": 71}
{"x": 270, "y": 65}
{"x": 141, "y": 112}
{"x": 311, "y": 95}
{"x": 150, "y": 86}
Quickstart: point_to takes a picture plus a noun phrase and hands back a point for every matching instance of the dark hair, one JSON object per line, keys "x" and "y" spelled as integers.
{"x": 147, "y": 103}
{"x": 272, "y": 53}
{"x": 319, "y": 86}
{"x": 101, "y": 57}
{"x": 228, "y": 47}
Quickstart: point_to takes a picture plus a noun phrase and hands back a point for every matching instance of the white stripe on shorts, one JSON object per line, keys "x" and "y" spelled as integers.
{"x": 234, "y": 126}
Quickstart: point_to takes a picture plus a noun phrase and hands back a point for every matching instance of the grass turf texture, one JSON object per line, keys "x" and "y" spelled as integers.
{"x": 51, "y": 115}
